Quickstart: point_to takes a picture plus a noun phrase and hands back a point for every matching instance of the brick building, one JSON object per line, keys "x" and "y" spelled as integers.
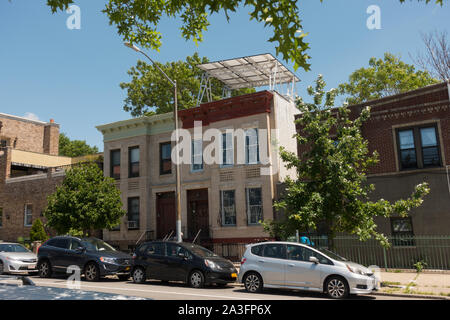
{"x": 222, "y": 202}
{"x": 411, "y": 133}
{"x": 30, "y": 170}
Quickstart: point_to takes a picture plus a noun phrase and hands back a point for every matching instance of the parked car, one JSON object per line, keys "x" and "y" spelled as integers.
{"x": 297, "y": 266}
{"x": 94, "y": 257}
{"x": 187, "y": 262}
{"x": 16, "y": 259}
{"x": 23, "y": 288}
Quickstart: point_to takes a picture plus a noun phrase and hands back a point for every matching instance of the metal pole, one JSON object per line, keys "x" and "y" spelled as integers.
{"x": 177, "y": 167}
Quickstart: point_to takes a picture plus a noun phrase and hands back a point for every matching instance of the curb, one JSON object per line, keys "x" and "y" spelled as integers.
{"x": 377, "y": 293}
{"x": 405, "y": 295}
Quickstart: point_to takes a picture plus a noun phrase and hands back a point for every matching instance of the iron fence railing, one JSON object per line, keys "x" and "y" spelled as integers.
{"x": 403, "y": 253}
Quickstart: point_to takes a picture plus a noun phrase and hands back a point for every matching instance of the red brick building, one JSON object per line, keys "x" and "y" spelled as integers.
{"x": 411, "y": 133}
{"x": 28, "y": 152}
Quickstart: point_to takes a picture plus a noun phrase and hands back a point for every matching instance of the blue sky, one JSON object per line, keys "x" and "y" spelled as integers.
{"x": 73, "y": 76}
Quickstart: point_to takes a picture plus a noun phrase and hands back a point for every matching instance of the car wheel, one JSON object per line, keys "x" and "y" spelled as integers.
{"x": 337, "y": 288}
{"x": 253, "y": 282}
{"x": 124, "y": 277}
{"x": 92, "y": 272}
{"x": 1, "y": 267}
{"x": 139, "y": 275}
{"x": 44, "y": 269}
{"x": 196, "y": 279}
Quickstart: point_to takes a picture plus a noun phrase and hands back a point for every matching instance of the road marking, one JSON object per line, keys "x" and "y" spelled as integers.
{"x": 156, "y": 291}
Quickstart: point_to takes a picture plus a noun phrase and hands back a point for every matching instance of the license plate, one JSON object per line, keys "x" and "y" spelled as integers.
{"x": 32, "y": 267}
{"x": 234, "y": 275}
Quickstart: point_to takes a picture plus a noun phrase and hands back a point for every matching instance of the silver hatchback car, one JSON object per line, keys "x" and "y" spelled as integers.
{"x": 296, "y": 266}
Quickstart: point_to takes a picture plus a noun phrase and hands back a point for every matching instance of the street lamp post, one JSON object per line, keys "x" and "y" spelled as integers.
{"x": 177, "y": 166}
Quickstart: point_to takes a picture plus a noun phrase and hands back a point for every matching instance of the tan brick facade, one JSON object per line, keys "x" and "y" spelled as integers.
{"x": 263, "y": 110}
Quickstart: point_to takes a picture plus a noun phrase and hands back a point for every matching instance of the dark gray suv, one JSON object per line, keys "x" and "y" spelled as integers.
{"x": 94, "y": 257}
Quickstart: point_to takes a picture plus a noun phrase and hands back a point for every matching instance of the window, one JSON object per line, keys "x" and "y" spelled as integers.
{"x": 300, "y": 253}
{"x": 3, "y": 143}
{"x": 173, "y": 250}
{"x": 258, "y": 250}
{"x": 251, "y": 146}
{"x": 133, "y": 162}
{"x": 165, "y": 159}
{"x": 418, "y": 148}
{"x": 254, "y": 205}
{"x": 197, "y": 155}
{"x": 402, "y": 231}
{"x": 133, "y": 213}
{"x": 228, "y": 207}
{"x": 430, "y": 147}
{"x": 115, "y": 164}
{"x": 62, "y": 243}
{"x": 74, "y": 244}
{"x": 274, "y": 251}
{"x": 28, "y": 215}
{"x": 154, "y": 249}
{"x": 227, "y": 149}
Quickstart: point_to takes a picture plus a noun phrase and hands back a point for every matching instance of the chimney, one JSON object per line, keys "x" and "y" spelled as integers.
{"x": 51, "y": 138}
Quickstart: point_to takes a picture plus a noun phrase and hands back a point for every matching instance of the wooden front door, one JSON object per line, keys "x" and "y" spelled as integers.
{"x": 165, "y": 214}
{"x": 198, "y": 214}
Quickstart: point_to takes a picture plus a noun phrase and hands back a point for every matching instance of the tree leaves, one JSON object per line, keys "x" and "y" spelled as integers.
{"x": 331, "y": 190}
{"x": 74, "y": 148}
{"x": 137, "y": 21}
{"x": 85, "y": 201}
{"x": 148, "y": 92}
{"x": 384, "y": 77}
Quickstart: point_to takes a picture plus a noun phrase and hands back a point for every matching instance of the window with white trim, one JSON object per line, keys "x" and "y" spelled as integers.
{"x": 251, "y": 146}
{"x": 227, "y": 149}
{"x": 254, "y": 205}
{"x": 28, "y": 215}
{"x": 197, "y": 155}
{"x": 228, "y": 207}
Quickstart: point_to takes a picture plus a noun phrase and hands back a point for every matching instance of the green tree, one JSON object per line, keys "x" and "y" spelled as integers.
{"x": 137, "y": 21}
{"x": 384, "y": 77}
{"x": 37, "y": 231}
{"x": 74, "y": 148}
{"x": 331, "y": 188}
{"x": 85, "y": 201}
{"x": 148, "y": 92}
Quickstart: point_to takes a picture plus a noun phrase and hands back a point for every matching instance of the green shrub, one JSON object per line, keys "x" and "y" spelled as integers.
{"x": 37, "y": 232}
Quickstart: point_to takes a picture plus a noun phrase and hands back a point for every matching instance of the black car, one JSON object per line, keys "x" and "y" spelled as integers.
{"x": 187, "y": 262}
{"x": 94, "y": 257}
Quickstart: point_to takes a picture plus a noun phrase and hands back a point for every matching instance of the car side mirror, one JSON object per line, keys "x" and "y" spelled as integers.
{"x": 80, "y": 250}
{"x": 314, "y": 260}
{"x": 182, "y": 255}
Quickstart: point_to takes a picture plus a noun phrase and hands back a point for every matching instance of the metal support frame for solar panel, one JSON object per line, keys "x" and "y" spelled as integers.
{"x": 249, "y": 72}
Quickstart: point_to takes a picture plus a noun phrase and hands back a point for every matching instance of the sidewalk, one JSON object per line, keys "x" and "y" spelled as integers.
{"x": 424, "y": 284}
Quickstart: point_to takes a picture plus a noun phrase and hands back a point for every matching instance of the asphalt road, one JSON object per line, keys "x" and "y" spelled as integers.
{"x": 178, "y": 291}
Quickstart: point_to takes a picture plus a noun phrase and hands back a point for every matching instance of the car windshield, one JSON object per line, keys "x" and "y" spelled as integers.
{"x": 96, "y": 245}
{"x": 13, "y": 248}
{"x": 200, "y": 251}
{"x": 331, "y": 254}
